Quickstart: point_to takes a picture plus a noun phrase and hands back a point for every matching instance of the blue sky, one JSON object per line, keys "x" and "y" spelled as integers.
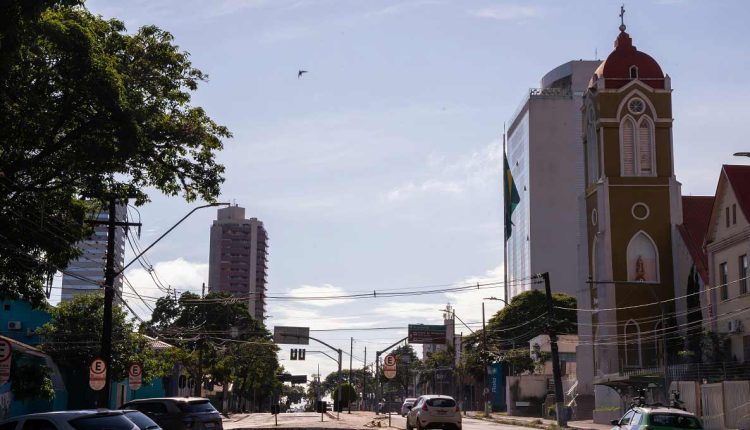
{"x": 380, "y": 168}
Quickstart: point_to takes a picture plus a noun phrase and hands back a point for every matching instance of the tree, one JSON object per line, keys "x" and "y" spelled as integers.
{"x": 511, "y": 328}
{"x": 406, "y": 362}
{"x": 222, "y": 343}
{"x": 73, "y": 336}
{"x": 348, "y": 395}
{"x": 89, "y": 111}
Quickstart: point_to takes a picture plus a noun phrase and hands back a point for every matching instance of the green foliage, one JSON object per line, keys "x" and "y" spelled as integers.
{"x": 348, "y": 393}
{"x": 31, "y": 380}
{"x": 511, "y": 328}
{"x": 715, "y": 348}
{"x": 240, "y": 349}
{"x": 73, "y": 338}
{"x": 292, "y": 394}
{"x": 88, "y": 110}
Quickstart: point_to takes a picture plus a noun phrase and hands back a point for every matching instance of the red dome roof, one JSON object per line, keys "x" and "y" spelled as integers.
{"x": 616, "y": 69}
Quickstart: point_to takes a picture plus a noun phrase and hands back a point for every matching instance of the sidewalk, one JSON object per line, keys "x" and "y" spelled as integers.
{"x": 537, "y": 422}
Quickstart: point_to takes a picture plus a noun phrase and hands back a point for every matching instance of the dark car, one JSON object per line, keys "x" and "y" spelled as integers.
{"x": 141, "y": 420}
{"x": 179, "y": 413}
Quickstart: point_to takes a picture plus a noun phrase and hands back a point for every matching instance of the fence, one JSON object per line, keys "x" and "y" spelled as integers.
{"x": 721, "y": 405}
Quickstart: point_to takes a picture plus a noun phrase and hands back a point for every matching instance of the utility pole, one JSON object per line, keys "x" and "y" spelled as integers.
{"x": 351, "y": 357}
{"x": 486, "y": 390}
{"x": 559, "y": 398}
{"x": 364, "y": 382}
{"x": 199, "y": 380}
{"x": 109, "y": 295}
{"x": 203, "y": 291}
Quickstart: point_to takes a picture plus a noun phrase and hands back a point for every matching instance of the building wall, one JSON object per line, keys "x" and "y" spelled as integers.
{"x": 614, "y": 196}
{"x": 729, "y": 243}
{"x": 237, "y": 258}
{"x": 92, "y": 261}
{"x": 545, "y": 155}
{"x": 30, "y": 319}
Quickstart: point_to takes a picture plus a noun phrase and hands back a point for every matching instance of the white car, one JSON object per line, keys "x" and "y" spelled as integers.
{"x": 434, "y": 411}
{"x": 406, "y": 407}
{"x": 70, "y": 420}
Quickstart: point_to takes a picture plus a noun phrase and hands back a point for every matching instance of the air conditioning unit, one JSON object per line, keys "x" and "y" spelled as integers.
{"x": 14, "y": 325}
{"x": 735, "y": 326}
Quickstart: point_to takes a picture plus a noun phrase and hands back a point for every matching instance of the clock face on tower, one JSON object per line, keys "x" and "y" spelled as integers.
{"x": 636, "y": 106}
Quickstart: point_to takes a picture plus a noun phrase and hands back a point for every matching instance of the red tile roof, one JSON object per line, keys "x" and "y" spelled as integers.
{"x": 739, "y": 179}
{"x": 696, "y": 214}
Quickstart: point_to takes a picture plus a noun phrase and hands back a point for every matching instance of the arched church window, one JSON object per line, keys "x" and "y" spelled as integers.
{"x": 628, "y": 147}
{"x": 632, "y": 344}
{"x": 633, "y": 72}
{"x": 642, "y": 259}
{"x": 645, "y": 148}
{"x": 637, "y": 146}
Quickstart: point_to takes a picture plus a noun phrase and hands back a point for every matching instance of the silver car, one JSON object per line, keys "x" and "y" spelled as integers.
{"x": 70, "y": 420}
{"x": 434, "y": 411}
{"x": 406, "y": 407}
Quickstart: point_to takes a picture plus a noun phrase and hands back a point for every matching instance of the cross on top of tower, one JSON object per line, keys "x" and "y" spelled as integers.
{"x": 622, "y": 18}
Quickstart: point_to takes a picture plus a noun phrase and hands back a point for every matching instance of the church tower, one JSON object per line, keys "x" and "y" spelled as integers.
{"x": 632, "y": 202}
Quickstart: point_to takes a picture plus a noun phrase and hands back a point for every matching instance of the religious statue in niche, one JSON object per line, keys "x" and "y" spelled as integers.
{"x": 640, "y": 271}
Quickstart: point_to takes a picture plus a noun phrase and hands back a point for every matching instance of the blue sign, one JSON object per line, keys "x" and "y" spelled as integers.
{"x": 497, "y": 386}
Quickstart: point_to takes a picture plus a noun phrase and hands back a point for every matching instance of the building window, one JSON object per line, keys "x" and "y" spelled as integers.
{"x": 637, "y": 148}
{"x": 633, "y": 72}
{"x": 628, "y": 148}
{"x": 632, "y": 344}
{"x": 734, "y": 214}
{"x": 726, "y": 215}
{"x": 723, "y": 281}
{"x": 642, "y": 259}
{"x": 592, "y": 147}
{"x": 743, "y": 274}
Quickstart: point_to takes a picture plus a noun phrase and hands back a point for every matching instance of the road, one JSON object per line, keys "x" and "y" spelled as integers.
{"x": 347, "y": 421}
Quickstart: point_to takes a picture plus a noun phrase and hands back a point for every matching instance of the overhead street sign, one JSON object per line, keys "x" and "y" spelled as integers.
{"x": 291, "y": 335}
{"x": 6, "y": 356}
{"x": 97, "y": 374}
{"x": 430, "y": 334}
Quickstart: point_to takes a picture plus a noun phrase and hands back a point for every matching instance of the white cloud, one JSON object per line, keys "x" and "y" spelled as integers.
{"x": 325, "y": 290}
{"x": 297, "y": 316}
{"x": 179, "y": 273}
{"x": 409, "y": 189}
{"x": 476, "y": 170}
{"x": 468, "y": 304}
{"x": 410, "y": 312}
{"x": 508, "y": 12}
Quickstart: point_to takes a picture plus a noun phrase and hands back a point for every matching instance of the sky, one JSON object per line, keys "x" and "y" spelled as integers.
{"x": 380, "y": 168}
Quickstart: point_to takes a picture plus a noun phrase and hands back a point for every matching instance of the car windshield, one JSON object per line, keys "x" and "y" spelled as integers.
{"x": 142, "y": 421}
{"x": 675, "y": 420}
{"x": 441, "y": 403}
{"x": 102, "y": 422}
{"x": 197, "y": 406}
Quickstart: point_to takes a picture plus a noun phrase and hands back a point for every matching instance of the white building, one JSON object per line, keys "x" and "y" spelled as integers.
{"x": 86, "y": 273}
{"x": 545, "y": 154}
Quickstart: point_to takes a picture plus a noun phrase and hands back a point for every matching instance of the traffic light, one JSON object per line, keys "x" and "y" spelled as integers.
{"x": 297, "y": 354}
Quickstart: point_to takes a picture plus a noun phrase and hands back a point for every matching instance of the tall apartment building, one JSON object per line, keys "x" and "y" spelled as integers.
{"x": 238, "y": 258}
{"x": 545, "y": 155}
{"x": 86, "y": 273}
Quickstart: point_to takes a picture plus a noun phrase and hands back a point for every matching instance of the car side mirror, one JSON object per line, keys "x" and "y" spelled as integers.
{"x": 615, "y": 422}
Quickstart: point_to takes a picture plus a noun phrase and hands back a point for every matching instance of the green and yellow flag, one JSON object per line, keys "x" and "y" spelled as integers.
{"x": 510, "y": 194}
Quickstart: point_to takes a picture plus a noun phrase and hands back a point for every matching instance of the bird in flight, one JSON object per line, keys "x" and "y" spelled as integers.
{"x": 300, "y": 73}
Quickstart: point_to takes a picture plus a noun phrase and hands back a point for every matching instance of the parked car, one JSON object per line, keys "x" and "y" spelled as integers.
{"x": 71, "y": 420}
{"x": 434, "y": 411}
{"x": 657, "y": 417}
{"x": 141, "y": 420}
{"x": 179, "y": 413}
{"x": 406, "y": 407}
